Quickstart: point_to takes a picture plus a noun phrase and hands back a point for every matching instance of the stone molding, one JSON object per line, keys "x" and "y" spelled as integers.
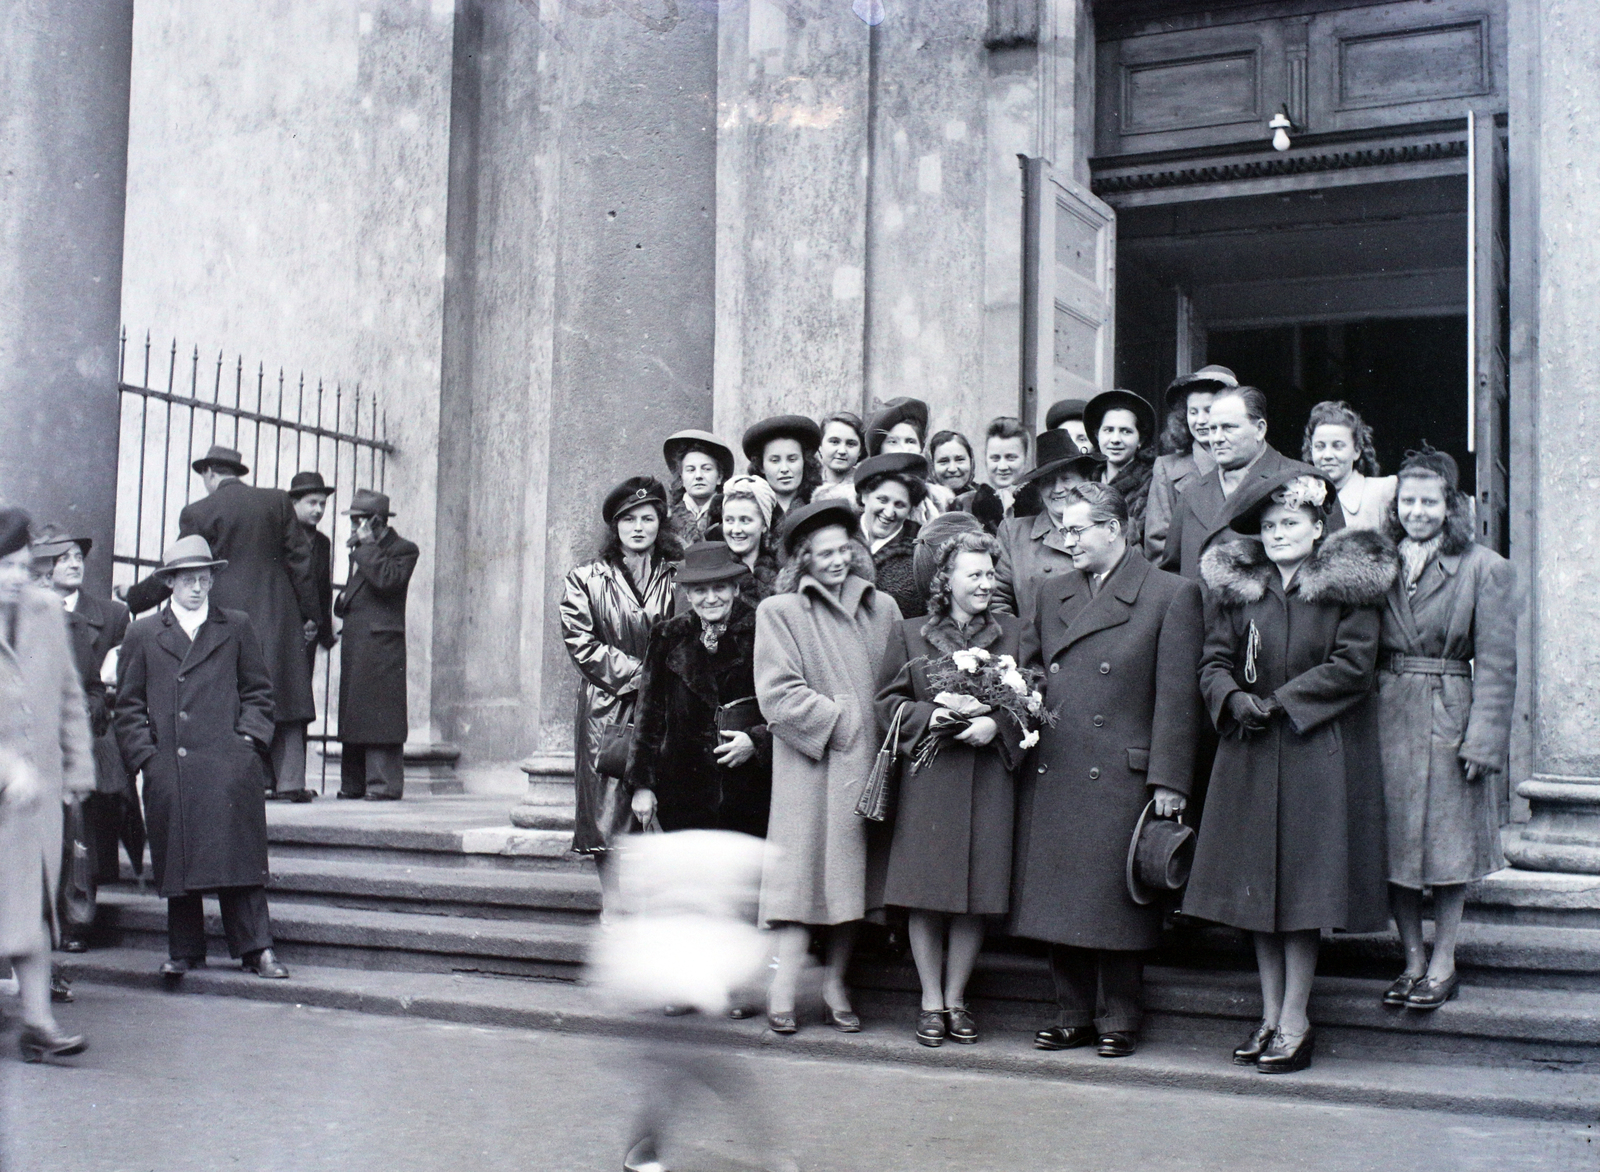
{"x": 1275, "y": 167}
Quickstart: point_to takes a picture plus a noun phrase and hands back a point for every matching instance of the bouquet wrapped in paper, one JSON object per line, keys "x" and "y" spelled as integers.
{"x": 974, "y": 683}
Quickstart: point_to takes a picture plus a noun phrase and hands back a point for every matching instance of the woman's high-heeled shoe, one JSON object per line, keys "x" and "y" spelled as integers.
{"x": 1255, "y": 1045}
{"x": 842, "y": 1020}
{"x": 38, "y": 1043}
{"x": 783, "y": 1023}
{"x": 1282, "y": 1058}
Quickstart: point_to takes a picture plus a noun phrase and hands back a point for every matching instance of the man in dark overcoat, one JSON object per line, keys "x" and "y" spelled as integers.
{"x": 310, "y": 494}
{"x": 372, "y": 663}
{"x": 1120, "y": 642}
{"x": 194, "y": 715}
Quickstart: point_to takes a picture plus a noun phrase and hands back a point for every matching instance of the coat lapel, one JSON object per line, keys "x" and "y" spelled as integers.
{"x": 171, "y": 638}
{"x": 690, "y": 662}
{"x": 1112, "y": 606}
{"x": 1044, "y": 529}
{"x": 1437, "y": 576}
{"x": 1206, "y": 500}
{"x": 213, "y": 633}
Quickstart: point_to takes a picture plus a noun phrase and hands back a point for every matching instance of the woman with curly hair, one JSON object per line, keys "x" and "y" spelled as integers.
{"x": 1338, "y": 444}
{"x": 950, "y": 858}
{"x": 819, "y": 643}
{"x": 1447, "y": 675}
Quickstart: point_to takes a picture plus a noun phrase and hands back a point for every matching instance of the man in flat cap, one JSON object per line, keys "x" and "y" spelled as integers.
{"x": 372, "y": 662}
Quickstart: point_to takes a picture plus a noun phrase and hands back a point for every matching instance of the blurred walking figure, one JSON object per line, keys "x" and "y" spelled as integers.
{"x": 372, "y": 663}
{"x": 45, "y": 756}
{"x": 194, "y": 715}
{"x": 310, "y": 494}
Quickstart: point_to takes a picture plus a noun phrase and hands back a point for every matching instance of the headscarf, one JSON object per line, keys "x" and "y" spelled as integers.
{"x": 757, "y": 487}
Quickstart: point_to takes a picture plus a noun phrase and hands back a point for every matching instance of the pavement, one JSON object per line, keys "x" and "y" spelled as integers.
{"x": 181, "y": 1083}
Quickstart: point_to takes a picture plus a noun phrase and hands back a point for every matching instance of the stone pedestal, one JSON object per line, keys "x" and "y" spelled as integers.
{"x": 550, "y": 800}
{"x": 1563, "y": 833}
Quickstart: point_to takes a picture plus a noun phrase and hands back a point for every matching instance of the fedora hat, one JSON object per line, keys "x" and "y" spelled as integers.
{"x": 681, "y": 443}
{"x": 1207, "y": 378}
{"x": 308, "y": 482}
{"x": 891, "y": 415}
{"x": 187, "y": 553}
{"x": 1160, "y": 855}
{"x": 630, "y": 494}
{"x": 367, "y": 503}
{"x": 1056, "y": 452}
{"x": 1061, "y": 411}
{"x": 223, "y": 457}
{"x": 709, "y": 561}
{"x": 817, "y": 515}
{"x": 803, "y": 431}
{"x": 1094, "y": 414}
{"x": 50, "y": 543}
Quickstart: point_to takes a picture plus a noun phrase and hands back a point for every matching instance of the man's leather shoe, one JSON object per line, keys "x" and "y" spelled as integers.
{"x": 1254, "y": 1045}
{"x": 264, "y": 964}
{"x": 1064, "y": 1037}
{"x": 179, "y": 965}
{"x": 300, "y": 796}
{"x": 1118, "y": 1044}
{"x": 344, "y": 797}
{"x": 372, "y": 797}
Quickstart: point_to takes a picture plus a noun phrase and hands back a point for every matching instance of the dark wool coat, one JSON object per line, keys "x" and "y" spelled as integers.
{"x": 95, "y": 627}
{"x": 1032, "y": 551}
{"x": 372, "y": 658}
{"x": 985, "y": 504}
{"x": 1202, "y": 513}
{"x": 268, "y": 576}
{"x": 953, "y": 821}
{"x": 1133, "y": 482}
{"x": 1170, "y": 477}
{"x": 1121, "y": 678}
{"x": 895, "y": 566}
{"x": 1442, "y": 827}
{"x": 322, "y": 579}
{"x": 184, "y": 713}
{"x": 1293, "y": 836}
{"x": 675, "y": 728}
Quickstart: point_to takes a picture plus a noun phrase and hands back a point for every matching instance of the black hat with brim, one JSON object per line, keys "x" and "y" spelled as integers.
{"x": 1248, "y": 522}
{"x": 1094, "y": 414}
{"x": 305, "y": 483}
{"x": 681, "y": 443}
{"x": 221, "y": 457}
{"x": 1057, "y": 452}
{"x": 893, "y": 414}
{"x": 1063, "y": 410}
{"x": 890, "y": 464}
{"x": 803, "y": 522}
{"x": 630, "y": 494}
{"x": 803, "y": 431}
{"x": 709, "y": 561}
{"x": 1207, "y": 378}
{"x": 1160, "y": 856}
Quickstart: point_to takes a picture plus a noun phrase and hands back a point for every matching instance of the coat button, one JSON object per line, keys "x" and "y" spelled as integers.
{"x": 181, "y": 679}
{"x": 183, "y": 752}
{"x": 1042, "y": 768}
{"x": 1105, "y": 669}
{"x": 1055, "y": 669}
{"x": 1094, "y": 774}
{"x": 1099, "y": 721}
{"x": 183, "y": 716}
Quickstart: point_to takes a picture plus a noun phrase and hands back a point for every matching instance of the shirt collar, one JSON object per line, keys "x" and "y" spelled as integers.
{"x": 70, "y": 601}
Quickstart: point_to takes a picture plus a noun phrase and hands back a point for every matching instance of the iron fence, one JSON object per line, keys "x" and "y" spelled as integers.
{"x": 279, "y": 426}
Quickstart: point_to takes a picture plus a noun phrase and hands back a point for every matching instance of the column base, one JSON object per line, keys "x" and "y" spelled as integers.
{"x": 430, "y": 768}
{"x": 550, "y": 800}
{"x": 1563, "y": 832}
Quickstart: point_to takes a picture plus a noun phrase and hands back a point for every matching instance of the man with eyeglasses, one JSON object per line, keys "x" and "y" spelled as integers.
{"x": 1120, "y": 643}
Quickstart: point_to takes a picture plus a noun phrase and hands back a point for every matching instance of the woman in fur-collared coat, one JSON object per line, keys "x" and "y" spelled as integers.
{"x": 1292, "y": 840}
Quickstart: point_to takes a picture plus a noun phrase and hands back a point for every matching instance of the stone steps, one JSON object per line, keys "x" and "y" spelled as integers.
{"x": 556, "y": 895}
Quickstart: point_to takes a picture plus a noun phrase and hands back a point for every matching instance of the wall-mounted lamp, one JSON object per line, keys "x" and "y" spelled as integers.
{"x": 1280, "y": 126}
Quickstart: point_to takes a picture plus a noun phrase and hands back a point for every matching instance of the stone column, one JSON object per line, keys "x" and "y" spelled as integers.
{"x": 1555, "y": 310}
{"x": 64, "y": 71}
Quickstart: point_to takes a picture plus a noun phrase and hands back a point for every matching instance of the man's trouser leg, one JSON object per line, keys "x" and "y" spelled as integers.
{"x": 289, "y": 758}
{"x": 186, "y": 927}
{"x": 245, "y": 920}
{"x": 1100, "y": 988}
{"x": 386, "y": 770}
{"x": 352, "y": 771}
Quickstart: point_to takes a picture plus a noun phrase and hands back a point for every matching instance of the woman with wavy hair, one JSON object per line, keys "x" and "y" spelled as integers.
{"x": 819, "y": 643}
{"x": 1338, "y": 444}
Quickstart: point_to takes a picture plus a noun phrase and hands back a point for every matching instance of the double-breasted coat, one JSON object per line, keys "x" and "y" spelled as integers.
{"x": 1293, "y": 835}
{"x": 268, "y": 577}
{"x": 372, "y": 653}
{"x": 605, "y": 622}
{"x": 1032, "y": 550}
{"x": 675, "y": 727}
{"x": 44, "y": 729}
{"x": 1443, "y": 828}
{"x": 95, "y": 626}
{"x": 1202, "y": 513}
{"x": 1120, "y": 671}
{"x": 954, "y": 819}
{"x": 185, "y": 713}
{"x": 817, "y": 660}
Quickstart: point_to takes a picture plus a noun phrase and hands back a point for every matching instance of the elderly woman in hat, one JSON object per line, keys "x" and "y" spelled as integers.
{"x": 1447, "y": 675}
{"x": 1185, "y": 449}
{"x": 607, "y": 610}
{"x": 902, "y": 426}
{"x": 1292, "y": 840}
{"x": 844, "y": 442}
{"x": 1032, "y": 548}
{"x": 782, "y": 450}
{"x": 698, "y": 463}
{"x": 888, "y": 489}
{"x": 1122, "y": 426}
{"x": 45, "y": 756}
{"x": 1338, "y": 444}
{"x": 743, "y": 523}
{"x": 701, "y": 757}
{"x": 819, "y": 643}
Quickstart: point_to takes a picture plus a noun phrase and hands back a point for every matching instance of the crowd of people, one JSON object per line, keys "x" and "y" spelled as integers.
{"x": 1298, "y": 669}
{"x": 207, "y": 699}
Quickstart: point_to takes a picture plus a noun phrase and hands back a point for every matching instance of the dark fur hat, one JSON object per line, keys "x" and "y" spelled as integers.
{"x": 1352, "y": 567}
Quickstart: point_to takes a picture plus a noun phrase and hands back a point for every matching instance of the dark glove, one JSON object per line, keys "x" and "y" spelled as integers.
{"x": 1250, "y": 712}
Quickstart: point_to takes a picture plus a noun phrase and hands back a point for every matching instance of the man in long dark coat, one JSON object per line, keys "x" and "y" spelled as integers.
{"x": 1121, "y": 643}
{"x": 194, "y": 714}
{"x": 372, "y": 662}
{"x": 310, "y": 494}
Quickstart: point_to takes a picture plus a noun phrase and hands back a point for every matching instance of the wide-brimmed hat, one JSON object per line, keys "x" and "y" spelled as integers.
{"x": 1094, "y": 414}
{"x": 1057, "y": 452}
{"x": 1061, "y": 411}
{"x": 679, "y": 443}
{"x": 890, "y": 416}
{"x": 890, "y": 464}
{"x": 630, "y": 494}
{"x": 227, "y": 458}
{"x": 50, "y": 543}
{"x": 1160, "y": 856}
{"x": 709, "y": 561}
{"x": 367, "y": 503}
{"x": 1302, "y": 486}
{"x": 803, "y": 431}
{"x": 817, "y": 515}
{"x": 1207, "y": 378}
{"x": 16, "y": 529}
{"x": 305, "y": 483}
{"x": 187, "y": 553}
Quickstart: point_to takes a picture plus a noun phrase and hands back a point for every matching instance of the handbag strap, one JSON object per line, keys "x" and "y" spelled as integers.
{"x": 891, "y": 739}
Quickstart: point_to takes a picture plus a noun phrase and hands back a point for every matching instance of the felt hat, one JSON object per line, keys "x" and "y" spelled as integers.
{"x": 796, "y": 427}
{"x": 630, "y": 494}
{"x": 367, "y": 503}
{"x": 678, "y": 444}
{"x": 15, "y": 529}
{"x": 187, "y": 553}
{"x": 304, "y": 483}
{"x": 50, "y": 543}
{"x": 1207, "y": 378}
{"x": 818, "y": 515}
{"x": 709, "y": 561}
{"x": 1094, "y": 414}
{"x": 891, "y": 464}
{"x": 890, "y": 416}
{"x": 1062, "y": 411}
{"x": 1057, "y": 452}
{"x": 931, "y": 538}
{"x": 1160, "y": 855}
{"x": 1301, "y": 486}
{"x": 228, "y": 458}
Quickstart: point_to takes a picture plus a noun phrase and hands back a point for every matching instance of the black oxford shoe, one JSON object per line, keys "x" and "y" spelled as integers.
{"x": 1064, "y": 1037}
{"x": 1254, "y": 1045}
{"x": 1118, "y": 1044}
{"x": 1281, "y": 1057}
{"x": 179, "y": 965}
{"x": 265, "y": 964}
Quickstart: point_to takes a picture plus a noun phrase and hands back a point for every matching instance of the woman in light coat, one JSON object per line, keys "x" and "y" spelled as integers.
{"x": 1447, "y": 675}
{"x": 1338, "y": 444}
{"x": 819, "y": 642}
{"x": 45, "y": 754}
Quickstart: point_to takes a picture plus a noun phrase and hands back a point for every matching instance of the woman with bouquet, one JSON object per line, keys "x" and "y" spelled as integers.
{"x": 950, "y": 859}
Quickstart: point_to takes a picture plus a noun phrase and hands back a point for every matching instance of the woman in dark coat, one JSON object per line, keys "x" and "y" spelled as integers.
{"x": 950, "y": 858}
{"x": 1447, "y": 675}
{"x": 888, "y": 490}
{"x": 702, "y": 756}
{"x": 1292, "y": 841}
{"x": 1123, "y": 426}
{"x": 782, "y": 450}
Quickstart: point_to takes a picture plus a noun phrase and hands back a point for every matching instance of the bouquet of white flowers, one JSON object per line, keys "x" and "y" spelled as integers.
{"x": 973, "y": 683}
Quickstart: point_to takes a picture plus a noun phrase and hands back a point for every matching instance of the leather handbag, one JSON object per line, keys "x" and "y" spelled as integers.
{"x": 78, "y": 879}
{"x": 611, "y": 757}
{"x": 738, "y": 716}
{"x": 876, "y": 802}
{"x": 1160, "y": 856}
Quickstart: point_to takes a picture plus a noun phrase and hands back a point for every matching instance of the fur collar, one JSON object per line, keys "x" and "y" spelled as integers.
{"x": 1352, "y": 567}
{"x": 942, "y": 632}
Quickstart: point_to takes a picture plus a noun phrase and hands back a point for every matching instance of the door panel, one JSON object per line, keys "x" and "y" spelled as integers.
{"x": 1488, "y": 325}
